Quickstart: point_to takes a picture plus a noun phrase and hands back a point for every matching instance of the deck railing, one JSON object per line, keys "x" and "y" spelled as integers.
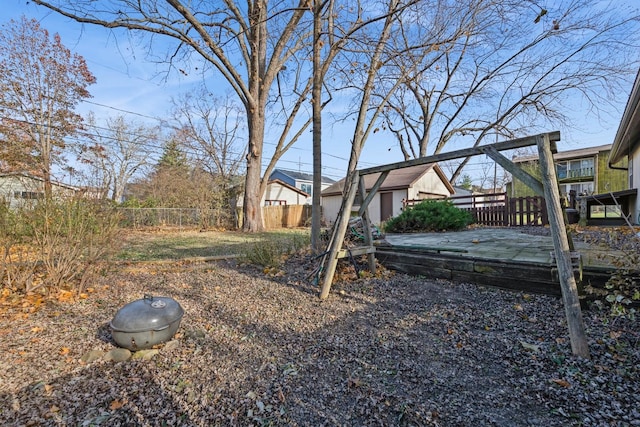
{"x": 499, "y": 210}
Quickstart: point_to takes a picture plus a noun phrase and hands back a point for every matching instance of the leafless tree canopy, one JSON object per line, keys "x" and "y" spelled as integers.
{"x": 508, "y": 68}
{"x": 427, "y": 72}
{"x": 212, "y": 132}
{"x": 117, "y": 152}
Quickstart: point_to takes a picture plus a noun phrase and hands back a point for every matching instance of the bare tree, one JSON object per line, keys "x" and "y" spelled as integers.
{"x": 211, "y": 130}
{"x": 41, "y": 82}
{"x": 118, "y": 152}
{"x": 511, "y": 68}
{"x": 248, "y": 45}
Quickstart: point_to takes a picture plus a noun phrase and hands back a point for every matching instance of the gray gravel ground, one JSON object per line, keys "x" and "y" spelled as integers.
{"x": 263, "y": 350}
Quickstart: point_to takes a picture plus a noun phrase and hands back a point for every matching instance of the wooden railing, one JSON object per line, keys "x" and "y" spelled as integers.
{"x": 499, "y": 210}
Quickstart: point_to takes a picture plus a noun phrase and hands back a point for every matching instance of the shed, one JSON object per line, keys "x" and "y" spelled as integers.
{"x": 418, "y": 182}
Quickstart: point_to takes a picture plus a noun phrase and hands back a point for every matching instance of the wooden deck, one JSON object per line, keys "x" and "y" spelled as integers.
{"x": 520, "y": 276}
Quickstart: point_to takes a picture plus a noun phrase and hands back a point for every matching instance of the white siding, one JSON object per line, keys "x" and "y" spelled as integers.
{"x": 429, "y": 185}
{"x": 19, "y": 191}
{"x": 634, "y": 163}
{"x": 330, "y": 207}
{"x": 277, "y": 191}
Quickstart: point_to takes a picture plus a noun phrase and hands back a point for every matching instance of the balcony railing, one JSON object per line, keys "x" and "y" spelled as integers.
{"x": 575, "y": 173}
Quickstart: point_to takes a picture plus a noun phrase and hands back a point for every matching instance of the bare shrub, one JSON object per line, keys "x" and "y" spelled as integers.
{"x": 55, "y": 244}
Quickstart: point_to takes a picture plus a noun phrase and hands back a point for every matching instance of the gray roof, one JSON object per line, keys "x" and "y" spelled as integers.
{"x": 397, "y": 179}
{"x": 301, "y": 175}
{"x": 569, "y": 154}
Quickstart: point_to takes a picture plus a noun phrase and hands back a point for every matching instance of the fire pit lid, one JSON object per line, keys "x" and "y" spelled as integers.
{"x": 147, "y": 314}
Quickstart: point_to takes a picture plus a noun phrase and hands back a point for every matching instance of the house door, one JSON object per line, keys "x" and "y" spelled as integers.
{"x": 386, "y": 206}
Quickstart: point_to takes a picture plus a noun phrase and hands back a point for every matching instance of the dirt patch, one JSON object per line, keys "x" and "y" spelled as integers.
{"x": 257, "y": 349}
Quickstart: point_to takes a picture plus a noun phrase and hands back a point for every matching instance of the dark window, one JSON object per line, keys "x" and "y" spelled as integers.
{"x": 30, "y": 195}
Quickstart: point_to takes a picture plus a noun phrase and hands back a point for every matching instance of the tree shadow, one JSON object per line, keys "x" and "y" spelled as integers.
{"x": 264, "y": 351}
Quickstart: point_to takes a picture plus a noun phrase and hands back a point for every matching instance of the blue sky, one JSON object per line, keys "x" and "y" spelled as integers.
{"x": 129, "y": 85}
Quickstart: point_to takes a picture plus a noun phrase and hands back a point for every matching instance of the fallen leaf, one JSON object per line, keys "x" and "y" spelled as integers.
{"x": 64, "y": 350}
{"x": 116, "y": 404}
{"x": 561, "y": 383}
{"x": 531, "y": 347}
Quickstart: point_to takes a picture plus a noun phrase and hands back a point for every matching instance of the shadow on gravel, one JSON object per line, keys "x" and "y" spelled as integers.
{"x": 260, "y": 351}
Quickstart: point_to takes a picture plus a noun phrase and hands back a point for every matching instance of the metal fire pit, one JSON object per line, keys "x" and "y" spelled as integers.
{"x": 146, "y": 322}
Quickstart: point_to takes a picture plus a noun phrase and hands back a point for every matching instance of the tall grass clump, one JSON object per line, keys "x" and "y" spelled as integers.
{"x": 272, "y": 249}
{"x": 429, "y": 215}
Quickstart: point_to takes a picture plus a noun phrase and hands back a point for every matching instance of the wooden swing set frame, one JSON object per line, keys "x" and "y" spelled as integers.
{"x": 548, "y": 187}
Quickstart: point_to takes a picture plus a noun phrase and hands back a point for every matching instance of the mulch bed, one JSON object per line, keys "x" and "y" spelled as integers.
{"x": 262, "y": 349}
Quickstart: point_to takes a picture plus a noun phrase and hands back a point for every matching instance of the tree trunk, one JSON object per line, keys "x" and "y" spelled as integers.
{"x": 316, "y": 99}
{"x": 252, "y": 209}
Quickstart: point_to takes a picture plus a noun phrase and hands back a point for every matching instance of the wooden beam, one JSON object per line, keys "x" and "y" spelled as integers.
{"x": 466, "y": 152}
{"x": 362, "y": 250}
{"x": 515, "y": 170}
{"x": 366, "y": 223}
{"x": 568, "y": 285}
{"x": 338, "y": 235}
{"x": 366, "y": 201}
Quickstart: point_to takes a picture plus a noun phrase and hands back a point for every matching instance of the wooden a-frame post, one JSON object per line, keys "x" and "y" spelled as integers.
{"x": 579, "y": 344}
{"x": 339, "y": 231}
{"x": 548, "y": 186}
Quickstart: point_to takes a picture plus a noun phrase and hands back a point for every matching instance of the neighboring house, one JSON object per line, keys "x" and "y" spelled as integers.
{"x": 281, "y": 193}
{"x": 625, "y": 155}
{"x": 300, "y": 180}
{"x": 410, "y": 183}
{"x": 584, "y": 171}
{"x": 18, "y": 189}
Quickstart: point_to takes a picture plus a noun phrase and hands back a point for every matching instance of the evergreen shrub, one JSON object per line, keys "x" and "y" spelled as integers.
{"x": 429, "y": 215}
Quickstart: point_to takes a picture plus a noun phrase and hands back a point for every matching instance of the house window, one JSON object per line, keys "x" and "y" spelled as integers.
{"x": 581, "y": 189}
{"x": 605, "y": 211}
{"x": 561, "y": 170}
{"x": 306, "y": 188}
{"x": 575, "y": 169}
{"x": 29, "y": 195}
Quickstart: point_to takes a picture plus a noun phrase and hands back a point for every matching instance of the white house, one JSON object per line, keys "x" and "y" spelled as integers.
{"x": 626, "y": 145}
{"x": 18, "y": 189}
{"x": 410, "y": 183}
{"x": 281, "y": 193}
{"x": 300, "y": 180}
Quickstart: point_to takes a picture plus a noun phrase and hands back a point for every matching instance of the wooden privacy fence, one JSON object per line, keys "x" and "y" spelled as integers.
{"x": 286, "y": 216}
{"x": 499, "y": 210}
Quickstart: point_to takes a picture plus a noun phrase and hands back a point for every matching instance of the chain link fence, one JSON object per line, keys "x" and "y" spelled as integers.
{"x": 171, "y": 217}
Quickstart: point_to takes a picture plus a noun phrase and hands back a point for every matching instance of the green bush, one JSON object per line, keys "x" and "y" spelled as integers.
{"x": 429, "y": 215}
